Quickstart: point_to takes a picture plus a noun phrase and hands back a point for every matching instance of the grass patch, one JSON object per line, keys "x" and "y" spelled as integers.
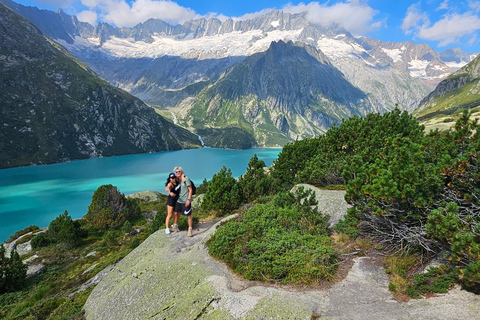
{"x": 399, "y": 267}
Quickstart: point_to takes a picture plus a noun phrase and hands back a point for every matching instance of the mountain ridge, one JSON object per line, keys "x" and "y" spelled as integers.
{"x": 291, "y": 91}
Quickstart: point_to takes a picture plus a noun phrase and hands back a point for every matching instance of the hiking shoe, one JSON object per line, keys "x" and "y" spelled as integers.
{"x": 167, "y": 231}
{"x": 175, "y": 228}
{"x": 189, "y": 231}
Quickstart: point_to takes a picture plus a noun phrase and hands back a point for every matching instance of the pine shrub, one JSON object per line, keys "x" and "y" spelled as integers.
{"x": 284, "y": 240}
{"x": 110, "y": 208}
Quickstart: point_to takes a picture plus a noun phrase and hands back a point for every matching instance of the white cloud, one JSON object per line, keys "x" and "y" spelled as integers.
{"x": 253, "y": 15}
{"x": 448, "y": 29}
{"x": 87, "y": 16}
{"x": 443, "y": 5}
{"x": 122, "y": 14}
{"x": 474, "y": 5}
{"x": 414, "y": 18}
{"x": 355, "y": 16}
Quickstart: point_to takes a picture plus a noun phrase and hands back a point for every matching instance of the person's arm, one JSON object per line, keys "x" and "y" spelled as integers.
{"x": 190, "y": 195}
{"x": 168, "y": 188}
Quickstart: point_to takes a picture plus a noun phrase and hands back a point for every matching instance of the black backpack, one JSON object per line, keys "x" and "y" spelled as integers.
{"x": 194, "y": 188}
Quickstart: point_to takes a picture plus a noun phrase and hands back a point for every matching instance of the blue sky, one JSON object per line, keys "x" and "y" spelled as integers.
{"x": 440, "y": 23}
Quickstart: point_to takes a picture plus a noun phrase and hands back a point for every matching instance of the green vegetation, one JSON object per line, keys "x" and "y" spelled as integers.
{"x": 435, "y": 280}
{"x": 223, "y": 193}
{"x": 110, "y": 208}
{"x": 22, "y": 232}
{"x": 409, "y": 191}
{"x": 72, "y": 252}
{"x": 283, "y": 240}
{"x": 256, "y": 182}
{"x": 12, "y": 271}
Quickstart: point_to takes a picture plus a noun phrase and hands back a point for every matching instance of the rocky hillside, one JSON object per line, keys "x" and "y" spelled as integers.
{"x": 291, "y": 91}
{"x": 190, "y": 284}
{"x": 53, "y": 108}
{"x": 458, "y": 91}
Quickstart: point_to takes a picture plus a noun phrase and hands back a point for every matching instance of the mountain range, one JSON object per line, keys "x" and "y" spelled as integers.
{"x": 54, "y": 108}
{"x": 264, "y": 81}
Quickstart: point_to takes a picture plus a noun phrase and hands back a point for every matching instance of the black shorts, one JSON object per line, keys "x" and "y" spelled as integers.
{"x": 172, "y": 201}
{"x": 183, "y": 209}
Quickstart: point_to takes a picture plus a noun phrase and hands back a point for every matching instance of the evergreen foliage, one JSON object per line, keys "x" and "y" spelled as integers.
{"x": 223, "y": 193}
{"x": 408, "y": 189}
{"x": 13, "y": 271}
{"x": 293, "y": 158}
{"x": 282, "y": 240}
{"x": 256, "y": 182}
{"x": 110, "y": 208}
{"x": 203, "y": 187}
{"x": 63, "y": 230}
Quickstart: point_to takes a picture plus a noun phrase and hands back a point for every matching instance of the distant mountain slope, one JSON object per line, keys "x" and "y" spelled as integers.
{"x": 390, "y": 73}
{"x": 53, "y": 108}
{"x": 459, "y": 90}
{"x": 285, "y": 93}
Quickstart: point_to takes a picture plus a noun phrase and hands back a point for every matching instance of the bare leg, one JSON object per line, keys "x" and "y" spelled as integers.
{"x": 176, "y": 215}
{"x": 169, "y": 215}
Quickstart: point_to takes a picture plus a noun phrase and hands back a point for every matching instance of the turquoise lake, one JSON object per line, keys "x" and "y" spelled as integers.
{"x": 38, "y": 194}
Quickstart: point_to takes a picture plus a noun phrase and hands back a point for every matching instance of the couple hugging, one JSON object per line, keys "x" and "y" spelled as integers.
{"x": 179, "y": 201}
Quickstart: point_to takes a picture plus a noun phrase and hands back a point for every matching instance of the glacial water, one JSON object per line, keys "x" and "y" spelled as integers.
{"x": 38, "y": 194}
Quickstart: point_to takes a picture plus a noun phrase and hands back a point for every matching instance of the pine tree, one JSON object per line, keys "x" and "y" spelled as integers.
{"x": 13, "y": 271}
{"x": 223, "y": 193}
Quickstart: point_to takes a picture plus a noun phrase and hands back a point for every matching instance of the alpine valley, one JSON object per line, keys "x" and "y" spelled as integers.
{"x": 53, "y": 108}
{"x": 265, "y": 81}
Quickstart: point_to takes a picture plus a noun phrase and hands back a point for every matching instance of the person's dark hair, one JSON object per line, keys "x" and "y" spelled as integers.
{"x": 170, "y": 176}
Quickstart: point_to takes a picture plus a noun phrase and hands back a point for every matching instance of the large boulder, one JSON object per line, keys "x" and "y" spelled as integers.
{"x": 330, "y": 202}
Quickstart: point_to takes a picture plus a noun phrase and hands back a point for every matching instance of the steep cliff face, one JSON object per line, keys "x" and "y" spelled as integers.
{"x": 53, "y": 108}
{"x": 285, "y": 93}
{"x": 459, "y": 90}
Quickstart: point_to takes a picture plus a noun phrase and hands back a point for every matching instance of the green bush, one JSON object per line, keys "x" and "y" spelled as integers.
{"x": 283, "y": 240}
{"x": 158, "y": 221}
{"x": 64, "y": 231}
{"x": 203, "y": 187}
{"x": 223, "y": 193}
{"x": 435, "y": 280}
{"x": 127, "y": 227}
{"x": 110, "y": 238}
{"x": 110, "y": 208}
{"x": 13, "y": 271}
{"x": 40, "y": 240}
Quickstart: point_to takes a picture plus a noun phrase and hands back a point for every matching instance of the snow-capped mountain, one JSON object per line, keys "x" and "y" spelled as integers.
{"x": 382, "y": 70}
{"x": 169, "y": 65}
